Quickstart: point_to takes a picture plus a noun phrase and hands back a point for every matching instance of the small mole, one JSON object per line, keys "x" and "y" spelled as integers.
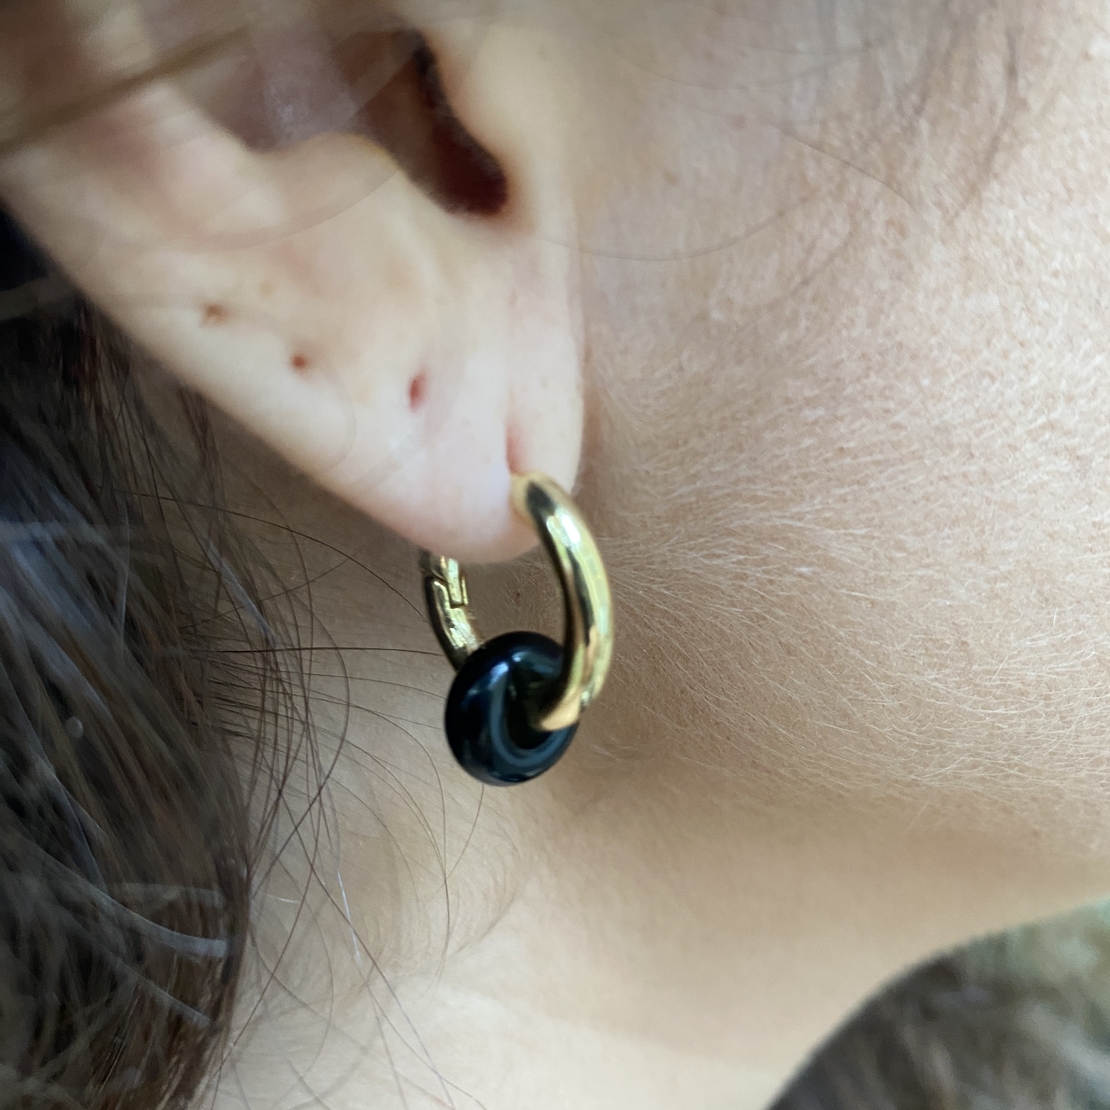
{"x": 299, "y": 362}
{"x": 418, "y": 390}
{"x": 214, "y": 314}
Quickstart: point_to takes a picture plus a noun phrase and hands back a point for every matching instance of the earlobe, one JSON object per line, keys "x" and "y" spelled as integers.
{"x": 408, "y": 356}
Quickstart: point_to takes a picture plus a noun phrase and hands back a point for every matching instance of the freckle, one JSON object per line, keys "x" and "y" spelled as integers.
{"x": 418, "y": 391}
{"x": 266, "y": 289}
{"x": 299, "y": 362}
{"x": 214, "y": 314}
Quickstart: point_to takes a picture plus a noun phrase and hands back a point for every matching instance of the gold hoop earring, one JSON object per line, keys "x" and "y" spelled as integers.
{"x": 516, "y": 701}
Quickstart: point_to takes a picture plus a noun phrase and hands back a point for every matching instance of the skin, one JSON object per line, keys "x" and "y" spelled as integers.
{"x": 821, "y": 342}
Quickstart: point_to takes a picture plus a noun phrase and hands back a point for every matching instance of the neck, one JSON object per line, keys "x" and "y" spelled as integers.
{"x": 629, "y": 931}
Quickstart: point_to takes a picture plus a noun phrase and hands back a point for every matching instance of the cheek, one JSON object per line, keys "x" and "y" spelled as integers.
{"x": 883, "y": 593}
{"x": 926, "y": 578}
{"x": 863, "y": 543}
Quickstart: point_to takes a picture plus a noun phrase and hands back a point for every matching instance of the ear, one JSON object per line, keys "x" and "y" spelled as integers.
{"x": 408, "y": 356}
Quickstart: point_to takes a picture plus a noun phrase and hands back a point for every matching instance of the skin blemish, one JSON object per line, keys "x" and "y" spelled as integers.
{"x": 214, "y": 314}
{"x": 418, "y": 390}
{"x": 300, "y": 362}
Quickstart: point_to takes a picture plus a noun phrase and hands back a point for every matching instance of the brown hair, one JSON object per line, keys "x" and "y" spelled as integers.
{"x": 1017, "y": 1020}
{"x": 127, "y": 851}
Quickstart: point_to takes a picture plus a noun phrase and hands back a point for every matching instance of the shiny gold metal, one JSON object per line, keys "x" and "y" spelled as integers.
{"x": 448, "y": 607}
{"x": 587, "y": 604}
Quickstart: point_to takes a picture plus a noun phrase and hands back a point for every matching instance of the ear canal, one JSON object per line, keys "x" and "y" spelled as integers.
{"x": 382, "y": 83}
{"x": 412, "y": 118}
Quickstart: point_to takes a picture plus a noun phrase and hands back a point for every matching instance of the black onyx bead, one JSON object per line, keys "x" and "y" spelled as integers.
{"x": 487, "y": 718}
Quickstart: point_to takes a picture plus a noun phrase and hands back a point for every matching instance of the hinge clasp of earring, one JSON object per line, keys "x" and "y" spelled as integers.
{"x": 446, "y": 596}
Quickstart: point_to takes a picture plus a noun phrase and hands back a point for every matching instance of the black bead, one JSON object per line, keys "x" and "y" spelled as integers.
{"x": 487, "y": 718}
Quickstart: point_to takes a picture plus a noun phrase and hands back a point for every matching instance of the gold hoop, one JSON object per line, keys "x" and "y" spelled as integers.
{"x": 587, "y": 603}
